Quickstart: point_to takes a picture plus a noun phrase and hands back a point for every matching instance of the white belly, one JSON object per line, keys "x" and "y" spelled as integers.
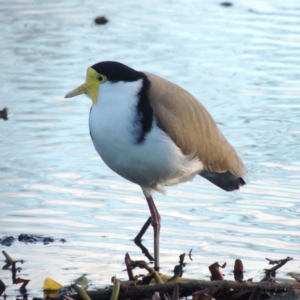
{"x": 155, "y": 162}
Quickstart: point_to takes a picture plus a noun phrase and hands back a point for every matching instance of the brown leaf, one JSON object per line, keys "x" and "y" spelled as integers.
{"x": 215, "y": 271}
{"x": 238, "y": 266}
{"x": 205, "y": 294}
{"x": 238, "y": 270}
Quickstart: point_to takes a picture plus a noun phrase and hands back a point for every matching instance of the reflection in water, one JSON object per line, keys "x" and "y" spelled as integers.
{"x": 241, "y": 62}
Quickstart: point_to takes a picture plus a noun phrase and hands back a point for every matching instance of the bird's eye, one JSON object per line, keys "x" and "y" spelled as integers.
{"x": 100, "y": 78}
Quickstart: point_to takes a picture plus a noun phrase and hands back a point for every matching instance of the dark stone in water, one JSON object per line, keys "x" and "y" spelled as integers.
{"x": 101, "y": 20}
{"x": 226, "y": 4}
{"x": 4, "y": 114}
{"x": 29, "y": 239}
{"x": 48, "y": 240}
{"x": 7, "y": 241}
{"x": 2, "y": 288}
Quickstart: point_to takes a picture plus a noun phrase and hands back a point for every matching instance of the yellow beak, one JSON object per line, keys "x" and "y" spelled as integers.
{"x": 91, "y": 86}
{"x": 78, "y": 91}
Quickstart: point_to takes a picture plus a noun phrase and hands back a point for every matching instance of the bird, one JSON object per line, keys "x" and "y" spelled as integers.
{"x": 155, "y": 134}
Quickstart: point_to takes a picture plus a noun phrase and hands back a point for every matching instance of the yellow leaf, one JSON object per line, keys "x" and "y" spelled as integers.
{"x": 51, "y": 285}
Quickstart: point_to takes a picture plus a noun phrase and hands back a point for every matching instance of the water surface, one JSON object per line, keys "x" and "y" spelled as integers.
{"x": 241, "y": 62}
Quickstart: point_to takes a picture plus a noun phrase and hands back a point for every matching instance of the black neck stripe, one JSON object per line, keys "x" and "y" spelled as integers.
{"x": 144, "y": 112}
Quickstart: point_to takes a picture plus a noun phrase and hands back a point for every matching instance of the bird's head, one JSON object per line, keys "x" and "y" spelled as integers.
{"x": 100, "y": 73}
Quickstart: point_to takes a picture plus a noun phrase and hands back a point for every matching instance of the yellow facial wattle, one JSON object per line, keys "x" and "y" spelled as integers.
{"x": 91, "y": 86}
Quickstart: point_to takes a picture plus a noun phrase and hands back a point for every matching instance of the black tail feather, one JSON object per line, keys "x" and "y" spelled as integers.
{"x": 225, "y": 181}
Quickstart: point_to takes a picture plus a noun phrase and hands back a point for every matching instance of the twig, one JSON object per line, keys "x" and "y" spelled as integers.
{"x": 128, "y": 266}
{"x": 178, "y": 270}
{"x": 186, "y": 289}
{"x": 271, "y": 273}
{"x": 143, "y": 265}
{"x": 190, "y": 254}
{"x": 279, "y": 263}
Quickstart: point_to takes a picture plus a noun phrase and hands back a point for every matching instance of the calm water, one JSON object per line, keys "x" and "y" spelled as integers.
{"x": 241, "y": 62}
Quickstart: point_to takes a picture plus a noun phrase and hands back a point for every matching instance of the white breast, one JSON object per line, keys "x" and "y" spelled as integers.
{"x": 155, "y": 162}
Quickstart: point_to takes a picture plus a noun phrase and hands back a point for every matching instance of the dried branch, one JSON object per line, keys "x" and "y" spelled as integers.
{"x": 186, "y": 289}
{"x": 271, "y": 273}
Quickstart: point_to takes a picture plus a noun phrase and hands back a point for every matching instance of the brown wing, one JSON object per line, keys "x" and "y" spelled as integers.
{"x": 192, "y": 128}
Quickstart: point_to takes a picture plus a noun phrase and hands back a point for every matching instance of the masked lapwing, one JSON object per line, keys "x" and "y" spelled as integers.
{"x": 154, "y": 133}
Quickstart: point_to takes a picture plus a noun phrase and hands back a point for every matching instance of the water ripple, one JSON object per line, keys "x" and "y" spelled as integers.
{"x": 242, "y": 63}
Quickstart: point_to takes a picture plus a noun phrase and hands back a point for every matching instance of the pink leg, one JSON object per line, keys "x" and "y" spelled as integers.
{"x": 155, "y": 222}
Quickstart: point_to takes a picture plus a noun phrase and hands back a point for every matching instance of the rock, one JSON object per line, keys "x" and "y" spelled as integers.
{"x": 4, "y": 113}
{"x": 226, "y": 4}
{"x": 101, "y": 20}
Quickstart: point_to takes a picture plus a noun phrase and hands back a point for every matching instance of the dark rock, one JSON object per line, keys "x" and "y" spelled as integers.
{"x": 226, "y": 4}
{"x": 4, "y": 113}
{"x": 48, "y": 240}
{"x": 101, "y": 20}
{"x": 2, "y": 287}
{"x": 7, "y": 241}
{"x": 28, "y": 238}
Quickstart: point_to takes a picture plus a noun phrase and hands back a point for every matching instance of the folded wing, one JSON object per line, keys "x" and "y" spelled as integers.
{"x": 194, "y": 131}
